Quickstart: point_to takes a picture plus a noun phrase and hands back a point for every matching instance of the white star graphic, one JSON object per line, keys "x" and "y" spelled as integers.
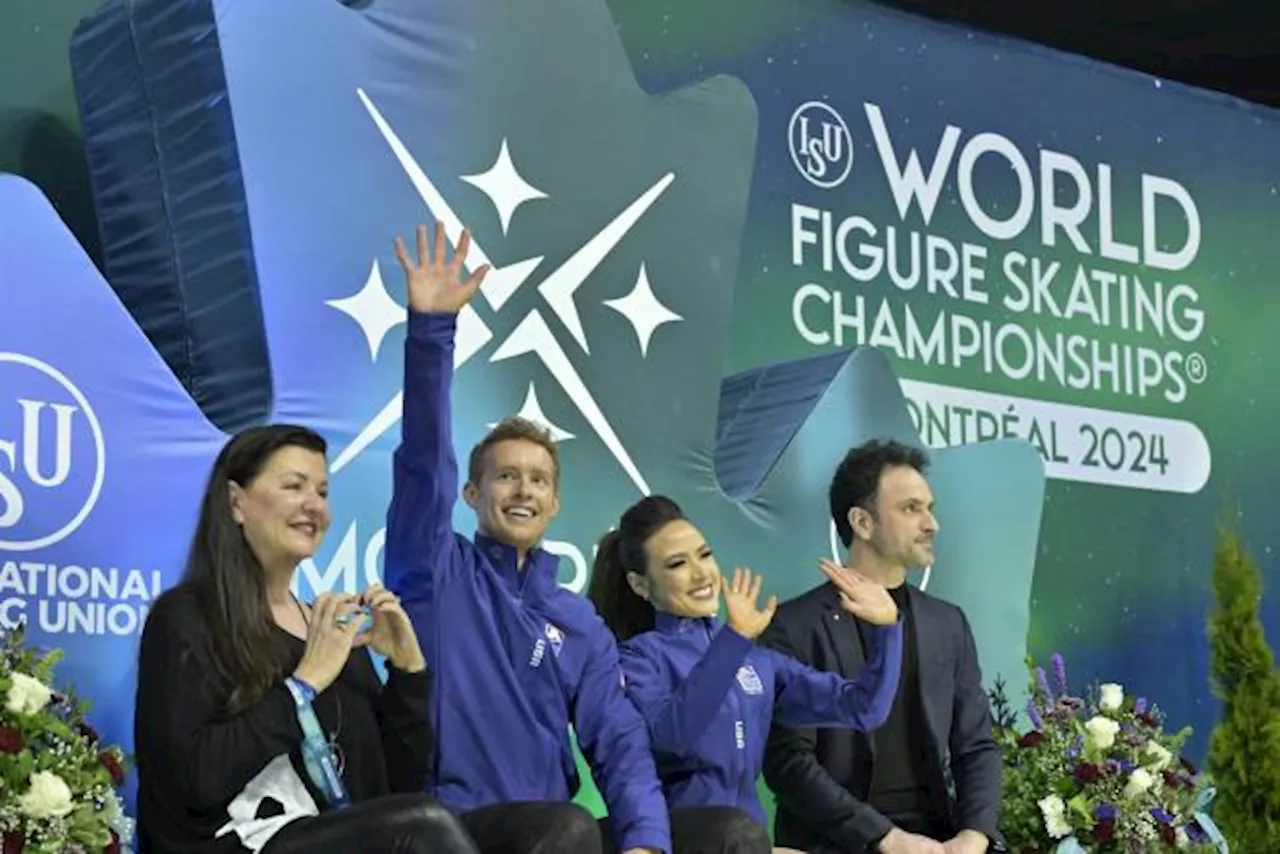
{"x": 505, "y": 187}
{"x": 531, "y": 410}
{"x": 642, "y": 308}
{"x": 559, "y": 288}
{"x": 501, "y": 282}
{"x": 531, "y": 335}
{"x": 373, "y": 310}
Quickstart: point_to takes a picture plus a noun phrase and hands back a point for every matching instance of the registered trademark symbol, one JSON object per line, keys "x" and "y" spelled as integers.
{"x": 1197, "y": 368}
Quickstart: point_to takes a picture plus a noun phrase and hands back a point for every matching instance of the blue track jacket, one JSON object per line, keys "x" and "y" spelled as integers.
{"x": 517, "y": 658}
{"x": 710, "y": 695}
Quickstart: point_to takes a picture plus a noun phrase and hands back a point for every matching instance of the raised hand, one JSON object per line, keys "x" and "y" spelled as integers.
{"x": 861, "y": 596}
{"x": 331, "y": 632}
{"x": 740, "y": 597}
{"x": 391, "y": 633}
{"x": 434, "y": 284}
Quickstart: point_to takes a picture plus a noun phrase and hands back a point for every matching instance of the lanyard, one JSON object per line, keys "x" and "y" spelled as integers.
{"x": 316, "y": 755}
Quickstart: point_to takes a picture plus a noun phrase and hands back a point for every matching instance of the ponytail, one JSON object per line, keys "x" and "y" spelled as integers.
{"x": 622, "y": 609}
{"x": 620, "y": 551}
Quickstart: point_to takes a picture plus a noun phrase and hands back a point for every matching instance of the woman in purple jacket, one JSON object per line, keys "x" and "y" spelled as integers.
{"x": 707, "y": 692}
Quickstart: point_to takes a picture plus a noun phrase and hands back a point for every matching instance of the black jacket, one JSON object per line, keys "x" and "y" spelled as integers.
{"x": 820, "y": 776}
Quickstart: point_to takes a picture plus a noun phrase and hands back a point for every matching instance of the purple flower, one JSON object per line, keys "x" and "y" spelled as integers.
{"x": 1034, "y": 715}
{"x": 1161, "y": 816}
{"x": 1196, "y": 833}
{"x": 1042, "y": 683}
{"x": 1104, "y": 812}
{"x": 1139, "y": 705}
{"x": 1111, "y": 766}
{"x": 1060, "y": 671}
{"x": 1126, "y": 766}
{"x": 1073, "y": 752}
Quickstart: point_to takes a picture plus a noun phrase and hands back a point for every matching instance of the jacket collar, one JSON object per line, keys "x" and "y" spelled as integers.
{"x": 540, "y": 571}
{"x": 673, "y": 624}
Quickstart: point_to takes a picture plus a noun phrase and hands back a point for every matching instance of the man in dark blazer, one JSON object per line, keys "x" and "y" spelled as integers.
{"x": 929, "y": 780}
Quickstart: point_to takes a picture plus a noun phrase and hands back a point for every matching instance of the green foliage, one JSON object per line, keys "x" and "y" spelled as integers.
{"x": 58, "y": 783}
{"x": 1099, "y": 769}
{"x": 1244, "y": 748}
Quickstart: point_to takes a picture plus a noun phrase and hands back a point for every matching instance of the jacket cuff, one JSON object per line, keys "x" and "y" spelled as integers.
{"x": 729, "y": 646}
{"x": 409, "y": 683}
{"x": 432, "y": 325}
{"x": 863, "y": 832}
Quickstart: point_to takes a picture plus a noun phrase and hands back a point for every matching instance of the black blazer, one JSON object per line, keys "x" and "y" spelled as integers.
{"x": 820, "y": 776}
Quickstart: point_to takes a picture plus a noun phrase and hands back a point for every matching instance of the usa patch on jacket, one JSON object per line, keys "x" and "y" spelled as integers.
{"x": 556, "y": 637}
{"x": 750, "y": 680}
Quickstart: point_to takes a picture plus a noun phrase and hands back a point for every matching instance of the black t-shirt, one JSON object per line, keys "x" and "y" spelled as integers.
{"x": 899, "y": 781}
{"x": 209, "y": 783}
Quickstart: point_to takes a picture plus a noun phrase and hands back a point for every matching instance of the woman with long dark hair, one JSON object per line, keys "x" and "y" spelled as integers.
{"x": 708, "y": 693}
{"x": 261, "y": 725}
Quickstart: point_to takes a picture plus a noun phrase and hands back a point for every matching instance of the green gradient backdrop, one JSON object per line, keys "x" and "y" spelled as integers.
{"x": 1121, "y": 583}
{"x": 1122, "y": 575}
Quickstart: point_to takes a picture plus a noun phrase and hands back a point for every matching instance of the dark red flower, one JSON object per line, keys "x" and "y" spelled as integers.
{"x": 88, "y": 732}
{"x": 1149, "y": 720}
{"x": 1170, "y": 779}
{"x": 13, "y": 842}
{"x": 1105, "y": 829}
{"x": 1031, "y": 739}
{"x": 112, "y": 764}
{"x": 1168, "y": 835}
{"x": 1087, "y": 772}
{"x": 113, "y": 847}
{"x": 10, "y": 740}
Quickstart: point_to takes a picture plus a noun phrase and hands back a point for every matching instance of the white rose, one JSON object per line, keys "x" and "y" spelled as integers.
{"x": 1139, "y": 781}
{"x": 1159, "y": 758}
{"x": 111, "y": 812}
{"x": 27, "y": 695}
{"x": 1055, "y": 818}
{"x": 1110, "y": 697}
{"x": 48, "y": 797}
{"x": 1102, "y": 731}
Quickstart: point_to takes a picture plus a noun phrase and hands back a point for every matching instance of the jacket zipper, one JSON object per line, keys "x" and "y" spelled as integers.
{"x": 737, "y": 762}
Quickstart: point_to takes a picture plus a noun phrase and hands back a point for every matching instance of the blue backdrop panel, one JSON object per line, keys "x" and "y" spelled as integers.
{"x": 166, "y": 177}
{"x": 103, "y": 457}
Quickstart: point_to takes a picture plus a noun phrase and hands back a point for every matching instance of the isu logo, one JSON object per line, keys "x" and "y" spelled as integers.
{"x": 52, "y": 455}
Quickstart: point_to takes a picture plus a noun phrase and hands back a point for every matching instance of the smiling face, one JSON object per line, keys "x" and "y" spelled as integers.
{"x": 681, "y": 574}
{"x": 284, "y": 511}
{"x": 515, "y": 498}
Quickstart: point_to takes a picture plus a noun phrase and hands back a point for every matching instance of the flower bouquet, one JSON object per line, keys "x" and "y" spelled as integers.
{"x": 58, "y": 783}
{"x": 1097, "y": 774}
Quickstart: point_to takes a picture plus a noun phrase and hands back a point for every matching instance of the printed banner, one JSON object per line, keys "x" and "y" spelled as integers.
{"x": 1054, "y": 257}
